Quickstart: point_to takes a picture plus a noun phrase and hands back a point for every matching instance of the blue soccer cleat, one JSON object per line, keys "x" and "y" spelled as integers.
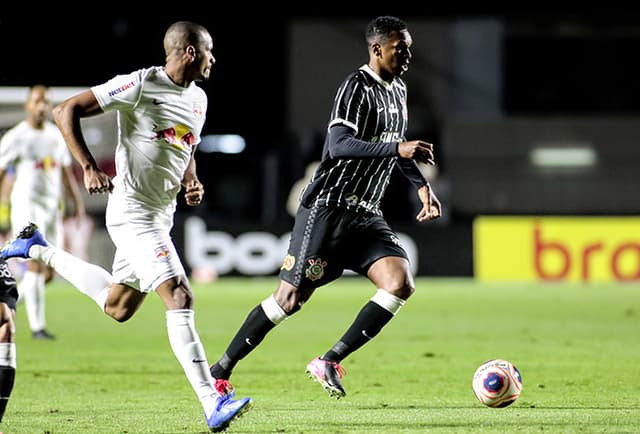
{"x": 19, "y": 248}
{"x": 227, "y": 411}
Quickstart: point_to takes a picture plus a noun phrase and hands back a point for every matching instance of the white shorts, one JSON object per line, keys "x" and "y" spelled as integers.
{"x": 145, "y": 255}
{"x": 49, "y": 221}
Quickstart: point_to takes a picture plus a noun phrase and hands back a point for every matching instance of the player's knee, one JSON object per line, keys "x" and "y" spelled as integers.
{"x": 291, "y": 299}
{"x": 120, "y": 314}
{"x": 402, "y": 289}
{"x": 7, "y": 331}
{"x": 182, "y": 297}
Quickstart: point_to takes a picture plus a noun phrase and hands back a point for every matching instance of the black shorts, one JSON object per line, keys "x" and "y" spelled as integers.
{"x": 326, "y": 241}
{"x": 8, "y": 288}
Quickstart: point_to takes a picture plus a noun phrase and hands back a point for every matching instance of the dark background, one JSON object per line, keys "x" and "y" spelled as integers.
{"x": 555, "y": 63}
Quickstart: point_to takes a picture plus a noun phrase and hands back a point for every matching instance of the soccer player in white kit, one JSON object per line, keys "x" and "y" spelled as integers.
{"x": 160, "y": 113}
{"x": 42, "y": 163}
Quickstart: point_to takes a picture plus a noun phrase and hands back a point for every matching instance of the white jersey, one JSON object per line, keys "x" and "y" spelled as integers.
{"x": 38, "y": 157}
{"x": 159, "y": 123}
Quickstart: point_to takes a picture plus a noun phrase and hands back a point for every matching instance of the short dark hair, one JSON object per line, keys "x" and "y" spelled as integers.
{"x": 379, "y": 29}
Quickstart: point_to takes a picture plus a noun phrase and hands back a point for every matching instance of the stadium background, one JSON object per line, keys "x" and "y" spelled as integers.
{"x": 490, "y": 89}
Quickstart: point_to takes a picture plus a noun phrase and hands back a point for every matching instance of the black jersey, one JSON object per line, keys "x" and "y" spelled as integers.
{"x": 377, "y": 112}
{"x": 8, "y": 288}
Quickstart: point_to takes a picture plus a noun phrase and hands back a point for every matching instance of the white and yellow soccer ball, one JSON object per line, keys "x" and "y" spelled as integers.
{"x": 497, "y": 383}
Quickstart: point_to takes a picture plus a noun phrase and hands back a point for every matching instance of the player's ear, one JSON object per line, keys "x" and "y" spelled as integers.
{"x": 191, "y": 52}
{"x": 377, "y": 49}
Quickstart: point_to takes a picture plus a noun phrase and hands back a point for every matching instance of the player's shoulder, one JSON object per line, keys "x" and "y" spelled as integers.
{"x": 199, "y": 92}
{"x": 360, "y": 75}
{"x": 151, "y": 73}
{"x": 14, "y": 132}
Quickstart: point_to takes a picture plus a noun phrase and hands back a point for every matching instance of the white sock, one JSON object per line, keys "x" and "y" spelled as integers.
{"x": 89, "y": 279}
{"x": 189, "y": 351}
{"x": 32, "y": 292}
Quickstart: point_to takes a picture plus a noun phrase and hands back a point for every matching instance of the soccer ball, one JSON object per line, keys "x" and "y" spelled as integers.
{"x": 497, "y": 383}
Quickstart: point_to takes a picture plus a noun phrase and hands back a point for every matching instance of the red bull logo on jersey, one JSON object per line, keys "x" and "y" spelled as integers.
{"x": 163, "y": 253}
{"x": 121, "y": 88}
{"x": 197, "y": 110}
{"x": 179, "y": 136}
{"x": 46, "y": 164}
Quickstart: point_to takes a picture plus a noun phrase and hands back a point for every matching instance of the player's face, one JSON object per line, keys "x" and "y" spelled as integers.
{"x": 38, "y": 105}
{"x": 396, "y": 54}
{"x": 205, "y": 60}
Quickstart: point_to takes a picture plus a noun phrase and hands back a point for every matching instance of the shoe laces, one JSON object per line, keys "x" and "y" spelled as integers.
{"x": 338, "y": 367}
{"x": 223, "y": 387}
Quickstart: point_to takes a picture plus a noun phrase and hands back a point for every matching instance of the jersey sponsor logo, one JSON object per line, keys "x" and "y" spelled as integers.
{"x": 46, "y": 164}
{"x": 198, "y": 110}
{"x": 121, "y": 88}
{"x": 390, "y": 136}
{"x": 289, "y": 262}
{"x": 395, "y": 240}
{"x": 315, "y": 270}
{"x": 179, "y": 136}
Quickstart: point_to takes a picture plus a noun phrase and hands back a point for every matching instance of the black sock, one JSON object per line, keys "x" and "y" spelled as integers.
{"x": 250, "y": 334}
{"x": 7, "y": 377}
{"x": 367, "y": 324}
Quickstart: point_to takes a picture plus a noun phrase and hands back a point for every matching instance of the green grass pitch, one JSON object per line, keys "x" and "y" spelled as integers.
{"x": 577, "y": 347}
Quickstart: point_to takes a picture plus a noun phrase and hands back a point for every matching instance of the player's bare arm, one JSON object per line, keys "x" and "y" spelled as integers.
{"x": 67, "y": 116}
{"x": 194, "y": 190}
{"x": 417, "y": 150}
{"x": 431, "y": 208}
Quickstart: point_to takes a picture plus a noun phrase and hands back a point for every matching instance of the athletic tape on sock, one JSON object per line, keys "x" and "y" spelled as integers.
{"x": 8, "y": 354}
{"x": 388, "y": 301}
{"x": 273, "y": 310}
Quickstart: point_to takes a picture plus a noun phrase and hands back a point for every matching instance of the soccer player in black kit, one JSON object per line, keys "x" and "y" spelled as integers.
{"x": 8, "y": 299}
{"x": 339, "y": 224}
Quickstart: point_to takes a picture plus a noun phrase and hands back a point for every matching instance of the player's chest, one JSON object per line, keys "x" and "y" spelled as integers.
{"x": 388, "y": 109}
{"x": 37, "y": 147}
{"x": 168, "y": 109}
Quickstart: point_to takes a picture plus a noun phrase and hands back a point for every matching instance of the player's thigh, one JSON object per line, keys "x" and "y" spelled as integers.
{"x": 145, "y": 254}
{"x": 374, "y": 250}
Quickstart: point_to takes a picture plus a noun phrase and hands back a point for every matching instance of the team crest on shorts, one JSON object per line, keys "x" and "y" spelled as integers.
{"x": 162, "y": 253}
{"x": 315, "y": 270}
{"x": 289, "y": 262}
